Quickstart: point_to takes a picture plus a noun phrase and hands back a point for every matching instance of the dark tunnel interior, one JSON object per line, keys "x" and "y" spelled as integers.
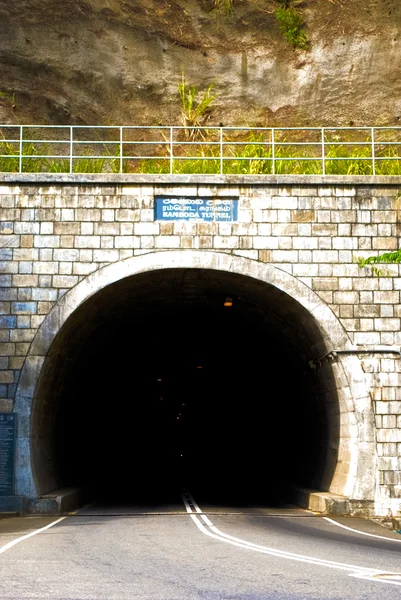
{"x": 194, "y": 394}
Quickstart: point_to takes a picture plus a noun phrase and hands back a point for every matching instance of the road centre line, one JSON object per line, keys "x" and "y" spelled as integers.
{"x": 380, "y": 537}
{"x": 28, "y": 535}
{"x": 366, "y": 573}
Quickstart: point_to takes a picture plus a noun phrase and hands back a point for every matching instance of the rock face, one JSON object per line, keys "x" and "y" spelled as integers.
{"x": 120, "y": 62}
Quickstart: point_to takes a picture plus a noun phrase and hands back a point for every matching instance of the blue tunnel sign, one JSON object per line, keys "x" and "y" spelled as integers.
{"x": 170, "y": 208}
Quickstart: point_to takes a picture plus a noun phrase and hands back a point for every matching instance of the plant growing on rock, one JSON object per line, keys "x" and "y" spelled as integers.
{"x": 224, "y": 6}
{"x": 195, "y": 109}
{"x": 291, "y": 24}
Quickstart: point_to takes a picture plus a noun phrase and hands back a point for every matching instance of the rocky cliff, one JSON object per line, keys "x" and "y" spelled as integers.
{"x": 120, "y": 62}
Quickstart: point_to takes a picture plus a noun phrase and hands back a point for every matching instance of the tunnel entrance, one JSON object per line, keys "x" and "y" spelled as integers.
{"x": 154, "y": 384}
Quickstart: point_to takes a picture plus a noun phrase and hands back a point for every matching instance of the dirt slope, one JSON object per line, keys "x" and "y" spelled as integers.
{"x": 114, "y": 61}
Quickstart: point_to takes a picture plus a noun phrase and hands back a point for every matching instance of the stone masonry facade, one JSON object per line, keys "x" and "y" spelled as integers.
{"x": 53, "y": 235}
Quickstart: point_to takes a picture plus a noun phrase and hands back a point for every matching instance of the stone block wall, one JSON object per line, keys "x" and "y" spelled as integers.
{"x": 53, "y": 235}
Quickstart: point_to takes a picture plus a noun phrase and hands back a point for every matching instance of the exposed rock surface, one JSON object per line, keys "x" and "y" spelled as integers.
{"x": 120, "y": 61}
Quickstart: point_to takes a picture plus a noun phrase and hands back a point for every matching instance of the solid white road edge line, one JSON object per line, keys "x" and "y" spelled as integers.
{"x": 28, "y": 535}
{"x": 365, "y": 573}
{"x": 380, "y": 537}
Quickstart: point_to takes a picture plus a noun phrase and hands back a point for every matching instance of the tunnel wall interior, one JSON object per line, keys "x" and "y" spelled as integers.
{"x": 153, "y": 384}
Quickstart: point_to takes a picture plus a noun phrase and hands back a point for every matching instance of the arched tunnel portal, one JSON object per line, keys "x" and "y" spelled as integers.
{"x": 153, "y": 383}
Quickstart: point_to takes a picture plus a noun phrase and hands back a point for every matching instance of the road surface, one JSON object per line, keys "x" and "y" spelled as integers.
{"x": 189, "y": 551}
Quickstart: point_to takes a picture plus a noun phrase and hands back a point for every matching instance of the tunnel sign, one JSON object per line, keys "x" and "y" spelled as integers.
{"x": 8, "y": 432}
{"x": 193, "y": 208}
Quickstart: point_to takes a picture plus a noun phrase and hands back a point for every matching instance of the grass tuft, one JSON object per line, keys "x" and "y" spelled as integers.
{"x": 292, "y": 27}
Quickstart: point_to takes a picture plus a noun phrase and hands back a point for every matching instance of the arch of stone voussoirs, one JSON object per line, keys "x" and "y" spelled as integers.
{"x": 356, "y": 481}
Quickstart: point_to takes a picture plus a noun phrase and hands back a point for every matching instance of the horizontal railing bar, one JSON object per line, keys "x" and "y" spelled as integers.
{"x": 201, "y": 143}
{"x": 197, "y": 128}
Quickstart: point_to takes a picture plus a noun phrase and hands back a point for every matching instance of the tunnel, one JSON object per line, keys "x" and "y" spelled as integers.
{"x": 185, "y": 378}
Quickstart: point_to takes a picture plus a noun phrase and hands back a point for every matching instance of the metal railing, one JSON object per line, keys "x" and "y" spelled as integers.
{"x": 219, "y": 150}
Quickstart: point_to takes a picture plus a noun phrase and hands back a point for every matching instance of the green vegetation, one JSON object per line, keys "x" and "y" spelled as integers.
{"x": 291, "y": 25}
{"x": 194, "y": 110}
{"x": 389, "y": 258}
{"x": 224, "y": 7}
{"x": 197, "y": 150}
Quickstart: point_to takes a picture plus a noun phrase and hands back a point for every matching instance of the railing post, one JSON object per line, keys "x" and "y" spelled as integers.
{"x": 171, "y": 150}
{"x": 221, "y": 151}
{"x": 71, "y": 146}
{"x": 323, "y": 152}
{"x": 21, "y": 136}
{"x": 273, "y": 154}
{"x": 121, "y": 149}
{"x": 373, "y": 152}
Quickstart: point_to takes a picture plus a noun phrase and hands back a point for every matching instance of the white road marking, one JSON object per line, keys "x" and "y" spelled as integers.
{"x": 28, "y": 535}
{"x": 366, "y": 573}
{"x": 380, "y": 537}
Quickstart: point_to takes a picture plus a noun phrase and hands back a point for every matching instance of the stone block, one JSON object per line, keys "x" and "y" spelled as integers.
{"x": 386, "y": 297}
{"x": 8, "y": 266}
{"x": 284, "y": 202}
{"x": 167, "y": 241}
{"x": 26, "y": 228}
{"x": 64, "y": 281}
{"x": 25, "y": 280}
{"x": 86, "y": 228}
{"x": 129, "y": 241}
{"x": 6, "y": 254}
{"x": 24, "y": 321}
{"x": 87, "y": 241}
{"x": 305, "y": 243}
{"x": 23, "y": 308}
{"x": 290, "y": 229}
{"x": 90, "y": 214}
{"x": 7, "y": 322}
{"x": 205, "y": 242}
{"x": 389, "y": 421}
{"x": 324, "y": 229}
{"x": 146, "y": 215}
{"x": 45, "y": 268}
{"x": 24, "y": 294}
{"x": 7, "y": 349}
{"x": 153, "y": 228}
{"x": 5, "y": 307}
{"x": 44, "y": 294}
{"x": 147, "y": 242}
{"x": 22, "y": 335}
{"x": 46, "y": 228}
{"x": 9, "y": 241}
{"x": 47, "y": 241}
{"x": 67, "y": 214}
{"x": 105, "y": 255}
{"x": 283, "y": 216}
{"x": 67, "y": 255}
{"x": 325, "y": 256}
{"x": 383, "y": 244}
{"x": 388, "y": 436}
{"x": 67, "y": 228}
{"x": 6, "y": 377}
{"x": 125, "y": 214}
{"x": 45, "y": 307}
{"x": 187, "y": 241}
{"x": 81, "y": 268}
{"x": 65, "y": 268}
{"x": 106, "y": 228}
{"x": 265, "y": 243}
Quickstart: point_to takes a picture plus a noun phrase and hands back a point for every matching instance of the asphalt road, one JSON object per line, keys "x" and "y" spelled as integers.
{"x": 182, "y": 551}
